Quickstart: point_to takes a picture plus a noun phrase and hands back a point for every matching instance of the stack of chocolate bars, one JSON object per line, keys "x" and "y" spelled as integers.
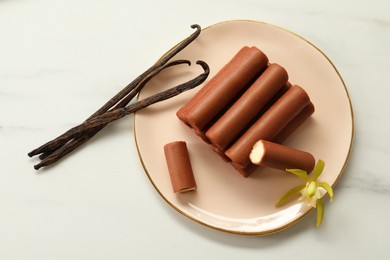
{"x": 248, "y": 100}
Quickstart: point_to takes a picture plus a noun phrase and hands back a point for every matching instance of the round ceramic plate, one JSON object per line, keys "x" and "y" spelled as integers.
{"x": 224, "y": 199}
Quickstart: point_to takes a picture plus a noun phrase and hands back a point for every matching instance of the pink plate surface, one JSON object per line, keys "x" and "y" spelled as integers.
{"x": 224, "y": 200}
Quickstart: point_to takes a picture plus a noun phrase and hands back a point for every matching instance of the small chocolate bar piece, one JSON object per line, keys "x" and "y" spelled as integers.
{"x": 281, "y": 157}
{"x": 179, "y": 166}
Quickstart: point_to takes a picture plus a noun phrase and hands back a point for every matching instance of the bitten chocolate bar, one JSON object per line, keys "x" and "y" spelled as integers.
{"x": 269, "y": 125}
{"x": 222, "y": 89}
{"x": 273, "y": 155}
{"x": 179, "y": 167}
{"x": 248, "y": 100}
{"x": 281, "y": 137}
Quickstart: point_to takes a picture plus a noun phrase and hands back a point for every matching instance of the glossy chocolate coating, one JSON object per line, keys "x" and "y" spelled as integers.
{"x": 179, "y": 167}
{"x": 281, "y": 157}
{"x": 181, "y": 113}
{"x": 282, "y": 136}
{"x": 228, "y": 127}
{"x": 246, "y": 171}
{"x": 225, "y": 89}
{"x": 202, "y": 135}
{"x": 269, "y": 125}
{"x": 306, "y": 112}
{"x": 220, "y": 153}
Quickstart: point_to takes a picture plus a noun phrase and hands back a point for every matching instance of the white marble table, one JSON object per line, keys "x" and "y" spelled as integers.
{"x": 60, "y": 60}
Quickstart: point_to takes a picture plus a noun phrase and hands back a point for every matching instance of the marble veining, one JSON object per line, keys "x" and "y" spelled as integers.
{"x": 367, "y": 182}
{"x": 61, "y": 60}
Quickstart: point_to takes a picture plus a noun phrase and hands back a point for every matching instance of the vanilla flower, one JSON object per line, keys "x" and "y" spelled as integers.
{"x": 310, "y": 191}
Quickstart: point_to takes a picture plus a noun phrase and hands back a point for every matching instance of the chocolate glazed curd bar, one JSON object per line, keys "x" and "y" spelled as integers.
{"x": 227, "y": 128}
{"x": 280, "y": 138}
{"x": 181, "y": 113}
{"x": 223, "y": 88}
{"x": 247, "y": 100}
{"x": 306, "y": 112}
{"x": 269, "y": 125}
{"x": 281, "y": 157}
{"x": 179, "y": 166}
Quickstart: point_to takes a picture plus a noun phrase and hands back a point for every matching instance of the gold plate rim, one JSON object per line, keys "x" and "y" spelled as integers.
{"x": 272, "y": 231}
